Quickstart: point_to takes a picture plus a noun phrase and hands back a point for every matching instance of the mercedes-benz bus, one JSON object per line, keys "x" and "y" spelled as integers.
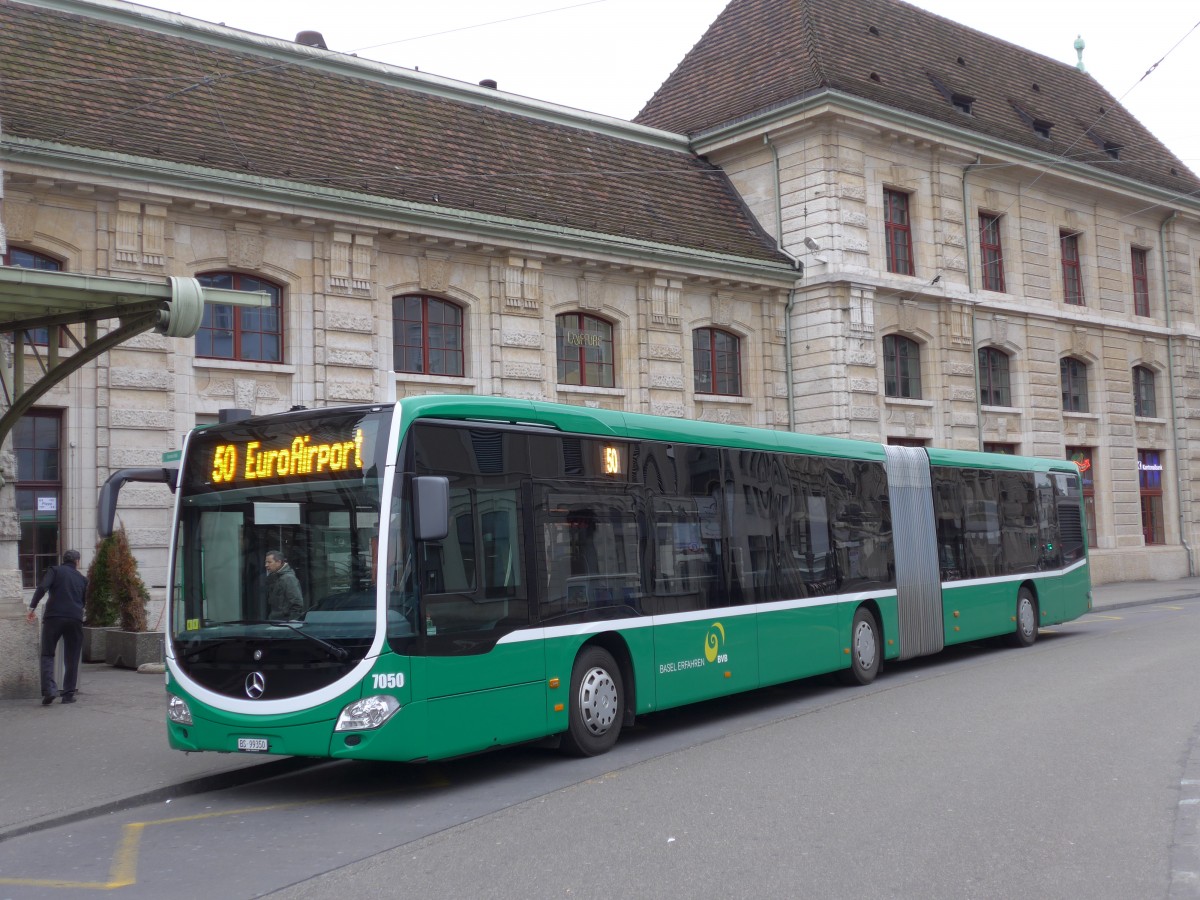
{"x": 470, "y": 572}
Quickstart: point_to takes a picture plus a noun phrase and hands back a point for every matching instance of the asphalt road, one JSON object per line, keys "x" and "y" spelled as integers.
{"x": 1065, "y": 770}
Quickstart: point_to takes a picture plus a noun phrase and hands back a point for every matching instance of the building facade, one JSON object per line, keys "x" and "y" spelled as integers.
{"x": 893, "y": 254}
{"x": 997, "y": 255}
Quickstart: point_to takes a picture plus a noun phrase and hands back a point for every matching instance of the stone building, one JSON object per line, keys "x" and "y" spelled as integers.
{"x": 996, "y": 254}
{"x": 860, "y": 233}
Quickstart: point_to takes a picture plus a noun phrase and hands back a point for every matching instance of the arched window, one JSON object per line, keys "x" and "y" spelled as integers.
{"x": 901, "y": 367}
{"x": 585, "y": 350}
{"x": 28, "y": 259}
{"x": 1144, "y": 403}
{"x": 427, "y": 335}
{"x": 993, "y": 378}
{"x": 244, "y": 333}
{"x": 1074, "y": 384}
{"x": 717, "y": 362}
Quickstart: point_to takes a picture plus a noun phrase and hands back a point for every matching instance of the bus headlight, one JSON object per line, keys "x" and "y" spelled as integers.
{"x": 178, "y": 712}
{"x": 367, "y": 713}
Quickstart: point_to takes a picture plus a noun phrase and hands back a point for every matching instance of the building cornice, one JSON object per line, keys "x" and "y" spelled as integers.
{"x": 975, "y": 142}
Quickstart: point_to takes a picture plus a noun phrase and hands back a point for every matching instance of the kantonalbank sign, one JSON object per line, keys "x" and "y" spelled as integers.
{"x": 298, "y": 459}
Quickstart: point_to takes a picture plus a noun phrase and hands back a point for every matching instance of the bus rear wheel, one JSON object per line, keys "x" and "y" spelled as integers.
{"x": 597, "y": 704}
{"x": 866, "y": 649}
{"x": 1027, "y": 619}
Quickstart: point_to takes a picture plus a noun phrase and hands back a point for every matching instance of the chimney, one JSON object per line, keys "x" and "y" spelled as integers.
{"x": 311, "y": 39}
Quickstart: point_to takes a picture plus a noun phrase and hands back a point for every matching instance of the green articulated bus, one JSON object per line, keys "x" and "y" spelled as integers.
{"x": 467, "y": 572}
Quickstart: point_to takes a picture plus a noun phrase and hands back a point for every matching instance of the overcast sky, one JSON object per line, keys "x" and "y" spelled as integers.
{"x": 609, "y": 56}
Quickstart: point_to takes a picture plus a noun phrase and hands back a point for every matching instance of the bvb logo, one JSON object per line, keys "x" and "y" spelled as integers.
{"x": 713, "y": 641}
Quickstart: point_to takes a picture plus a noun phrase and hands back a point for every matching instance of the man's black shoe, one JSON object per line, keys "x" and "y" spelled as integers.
{"x": 68, "y": 698}
{"x": 47, "y": 699}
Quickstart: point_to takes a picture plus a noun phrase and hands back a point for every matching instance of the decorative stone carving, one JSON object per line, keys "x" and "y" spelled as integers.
{"x": 245, "y": 249}
{"x": 667, "y": 382}
{"x": 1079, "y": 340}
{"x": 528, "y": 339}
{"x": 674, "y": 410}
{"x": 521, "y": 283}
{"x": 245, "y": 392}
{"x": 434, "y": 272}
{"x": 126, "y": 243}
{"x": 862, "y": 312}
{"x": 20, "y": 220}
{"x": 671, "y": 352}
{"x": 959, "y": 317}
{"x": 523, "y": 371}
{"x": 722, "y": 309}
{"x": 664, "y": 296}
{"x": 154, "y": 235}
{"x": 1000, "y": 328}
{"x": 591, "y": 291}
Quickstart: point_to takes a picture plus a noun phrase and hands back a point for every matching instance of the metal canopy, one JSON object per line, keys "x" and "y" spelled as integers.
{"x": 35, "y": 298}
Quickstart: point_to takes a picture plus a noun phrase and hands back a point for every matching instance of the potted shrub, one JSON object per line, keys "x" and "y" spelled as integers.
{"x": 114, "y": 579}
{"x": 99, "y": 604}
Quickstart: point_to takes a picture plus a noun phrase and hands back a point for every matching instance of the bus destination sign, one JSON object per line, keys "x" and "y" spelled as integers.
{"x": 295, "y": 458}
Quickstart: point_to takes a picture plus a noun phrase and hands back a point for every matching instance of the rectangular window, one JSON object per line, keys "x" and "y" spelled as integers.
{"x": 897, "y": 232}
{"x": 37, "y": 445}
{"x": 1150, "y": 481}
{"x": 1071, "y": 272}
{"x": 990, "y": 252}
{"x": 1141, "y": 283}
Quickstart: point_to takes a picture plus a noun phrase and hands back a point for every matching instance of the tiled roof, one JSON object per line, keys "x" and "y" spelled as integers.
{"x": 180, "y": 96}
{"x": 761, "y": 54}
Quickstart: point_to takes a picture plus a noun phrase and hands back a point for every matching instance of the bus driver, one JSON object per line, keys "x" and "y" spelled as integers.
{"x": 283, "y": 588}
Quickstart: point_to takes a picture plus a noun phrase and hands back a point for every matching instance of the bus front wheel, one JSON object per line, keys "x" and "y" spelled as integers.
{"x": 1027, "y": 619}
{"x": 597, "y": 704}
{"x": 866, "y": 649}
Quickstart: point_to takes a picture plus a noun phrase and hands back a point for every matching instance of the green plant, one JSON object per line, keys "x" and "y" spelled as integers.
{"x": 115, "y": 590}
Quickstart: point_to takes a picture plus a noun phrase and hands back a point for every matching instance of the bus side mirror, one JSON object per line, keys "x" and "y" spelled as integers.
{"x": 431, "y": 507}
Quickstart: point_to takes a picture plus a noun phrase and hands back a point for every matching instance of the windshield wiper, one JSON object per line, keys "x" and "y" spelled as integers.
{"x": 196, "y": 651}
{"x": 338, "y": 653}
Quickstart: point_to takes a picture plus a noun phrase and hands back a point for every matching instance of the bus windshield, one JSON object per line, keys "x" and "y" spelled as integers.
{"x": 277, "y": 542}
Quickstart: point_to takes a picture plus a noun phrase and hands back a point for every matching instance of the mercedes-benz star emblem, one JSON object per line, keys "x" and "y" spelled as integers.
{"x": 256, "y": 683}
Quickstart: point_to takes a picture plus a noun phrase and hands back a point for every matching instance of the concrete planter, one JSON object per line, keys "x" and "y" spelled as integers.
{"x": 95, "y": 644}
{"x": 130, "y": 649}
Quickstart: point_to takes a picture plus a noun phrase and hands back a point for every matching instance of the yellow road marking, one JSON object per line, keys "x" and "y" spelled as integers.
{"x": 123, "y": 872}
{"x": 1110, "y": 618}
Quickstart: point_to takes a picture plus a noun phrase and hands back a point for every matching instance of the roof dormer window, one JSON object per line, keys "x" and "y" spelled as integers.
{"x": 1113, "y": 150}
{"x": 961, "y": 102}
{"x": 1042, "y": 128}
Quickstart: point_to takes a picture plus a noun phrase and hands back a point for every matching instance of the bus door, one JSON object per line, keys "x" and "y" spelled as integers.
{"x": 480, "y": 665}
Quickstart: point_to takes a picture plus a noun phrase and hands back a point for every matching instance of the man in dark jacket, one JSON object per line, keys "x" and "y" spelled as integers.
{"x": 284, "y": 600}
{"x": 63, "y": 621}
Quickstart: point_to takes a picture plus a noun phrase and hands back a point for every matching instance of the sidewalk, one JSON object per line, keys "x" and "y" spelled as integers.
{"x": 106, "y": 752}
{"x": 109, "y": 751}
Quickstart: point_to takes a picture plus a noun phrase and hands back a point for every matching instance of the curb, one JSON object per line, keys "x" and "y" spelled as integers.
{"x": 1126, "y": 604}
{"x": 204, "y": 784}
